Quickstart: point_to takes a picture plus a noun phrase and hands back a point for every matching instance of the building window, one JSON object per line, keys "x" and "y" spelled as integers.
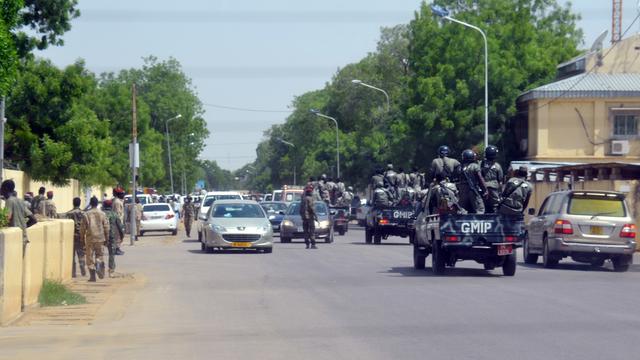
{"x": 625, "y": 125}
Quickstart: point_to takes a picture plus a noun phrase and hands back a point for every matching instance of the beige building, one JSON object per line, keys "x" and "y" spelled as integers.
{"x": 589, "y": 114}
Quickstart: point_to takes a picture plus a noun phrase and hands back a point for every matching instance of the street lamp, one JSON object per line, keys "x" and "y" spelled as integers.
{"x": 294, "y": 163}
{"x": 166, "y": 127}
{"x": 359, "y": 82}
{"x": 444, "y": 13}
{"x": 318, "y": 113}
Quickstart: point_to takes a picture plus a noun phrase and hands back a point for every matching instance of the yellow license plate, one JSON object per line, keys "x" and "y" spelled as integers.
{"x": 596, "y": 230}
{"x": 241, "y": 244}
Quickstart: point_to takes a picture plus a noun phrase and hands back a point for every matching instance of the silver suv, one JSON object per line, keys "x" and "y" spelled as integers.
{"x": 589, "y": 226}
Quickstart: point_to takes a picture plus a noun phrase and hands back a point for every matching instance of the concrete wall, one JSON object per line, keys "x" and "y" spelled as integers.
{"x": 48, "y": 255}
{"x": 623, "y": 58}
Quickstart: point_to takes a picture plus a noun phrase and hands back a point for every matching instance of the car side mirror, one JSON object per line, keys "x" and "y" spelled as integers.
{"x": 203, "y": 217}
{"x": 532, "y": 211}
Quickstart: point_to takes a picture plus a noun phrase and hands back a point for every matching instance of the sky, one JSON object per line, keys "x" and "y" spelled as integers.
{"x": 253, "y": 54}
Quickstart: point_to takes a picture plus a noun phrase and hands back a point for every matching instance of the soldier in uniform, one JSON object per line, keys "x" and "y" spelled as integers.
{"x": 516, "y": 193}
{"x": 94, "y": 230}
{"x": 138, "y": 217}
{"x": 309, "y": 217}
{"x": 347, "y": 197}
{"x": 17, "y": 213}
{"x": 50, "y": 209}
{"x": 116, "y": 230}
{"x": 442, "y": 198}
{"x": 471, "y": 185}
{"x": 323, "y": 191}
{"x": 381, "y": 196}
{"x": 188, "y": 212}
{"x": 330, "y": 186}
{"x": 37, "y": 206}
{"x": 390, "y": 177}
{"x": 377, "y": 176}
{"x": 78, "y": 245}
{"x": 340, "y": 188}
{"x": 443, "y": 165}
{"x": 493, "y": 177}
{"x": 118, "y": 208}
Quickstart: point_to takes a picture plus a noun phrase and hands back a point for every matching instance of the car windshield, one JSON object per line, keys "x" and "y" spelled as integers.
{"x": 156, "y": 207}
{"x": 293, "y": 196}
{"x": 596, "y": 206}
{"x": 321, "y": 209}
{"x": 211, "y": 198}
{"x": 237, "y": 211}
{"x": 274, "y": 207}
{"x": 277, "y": 196}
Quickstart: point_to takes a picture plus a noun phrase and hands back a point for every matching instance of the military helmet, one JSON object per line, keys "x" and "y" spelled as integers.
{"x": 468, "y": 156}
{"x": 323, "y": 177}
{"x": 443, "y": 150}
{"x": 491, "y": 152}
{"x": 350, "y": 188}
{"x": 389, "y": 166}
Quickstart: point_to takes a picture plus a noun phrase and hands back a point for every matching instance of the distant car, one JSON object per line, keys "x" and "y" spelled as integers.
{"x": 158, "y": 217}
{"x": 589, "y": 226}
{"x": 237, "y": 224}
{"x": 144, "y": 199}
{"x": 268, "y": 197}
{"x": 275, "y": 211}
{"x": 208, "y": 200}
{"x": 291, "y": 227}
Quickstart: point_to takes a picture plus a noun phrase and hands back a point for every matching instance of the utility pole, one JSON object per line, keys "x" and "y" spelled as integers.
{"x": 134, "y": 165}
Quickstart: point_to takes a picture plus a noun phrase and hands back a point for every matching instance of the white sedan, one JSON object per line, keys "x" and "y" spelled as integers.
{"x": 158, "y": 217}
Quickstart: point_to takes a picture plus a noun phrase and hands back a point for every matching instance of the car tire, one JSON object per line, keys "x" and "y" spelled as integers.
{"x": 509, "y": 265}
{"x": 419, "y": 258}
{"x": 174, "y": 232}
{"x": 597, "y": 263}
{"x": 529, "y": 258}
{"x": 341, "y": 232}
{"x": 368, "y": 238}
{"x": 548, "y": 260}
{"x": 141, "y": 233}
{"x": 377, "y": 238}
{"x": 437, "y": 259}
{"x": 267, "y": 250}
{"x": 621, "y": 263}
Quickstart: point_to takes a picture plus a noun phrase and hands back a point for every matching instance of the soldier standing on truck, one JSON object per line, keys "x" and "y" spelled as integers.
{"x": 378, "y": 176}
{"x": 330, "y": 187}
{"x": 381, "y": 196}
{"x": 471, "y": 185}
{"x": 443, "y": 165}
{"x": 493, "y": 177}
{"x": 516, "y": 194}
{"x": 442, "y": 198}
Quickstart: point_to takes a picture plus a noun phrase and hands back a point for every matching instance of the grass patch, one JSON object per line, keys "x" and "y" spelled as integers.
{"x": 53, "y": 293}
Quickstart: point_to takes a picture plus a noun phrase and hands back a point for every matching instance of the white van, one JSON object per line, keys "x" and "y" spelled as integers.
{"x": 144, "y": 199}
{"x": 208, "y": 200}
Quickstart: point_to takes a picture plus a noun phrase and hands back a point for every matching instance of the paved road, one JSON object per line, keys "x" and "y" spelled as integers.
{"x": 346, "y": 300}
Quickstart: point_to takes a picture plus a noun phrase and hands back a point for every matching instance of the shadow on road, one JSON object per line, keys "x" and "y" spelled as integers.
{"x": 381, "y": 244}
{"x": 450, "y": 272}
{"x": 226, "y": 252}
{"x": 572, "y": 266}
{"x": 190, "y": 241}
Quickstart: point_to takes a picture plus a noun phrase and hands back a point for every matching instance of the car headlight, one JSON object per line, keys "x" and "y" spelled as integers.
{"x": 218, "y": 228}
{"x": 324, "y": 223}
{"x": 264, "y": 228}
{"x": 287, "y": 223}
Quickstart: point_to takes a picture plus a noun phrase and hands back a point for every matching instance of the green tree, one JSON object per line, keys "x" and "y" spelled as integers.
{"x": 8, "y": 54}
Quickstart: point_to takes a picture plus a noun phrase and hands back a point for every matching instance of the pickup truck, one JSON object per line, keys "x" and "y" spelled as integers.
{"x": 382, "y": 222}
{"x": 489, "y": 239}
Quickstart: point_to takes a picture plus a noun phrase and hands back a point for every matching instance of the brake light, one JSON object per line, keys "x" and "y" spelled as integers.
{"x": 383, "y": 222}
{"x": 169, "y": 216}
{"x": 510, "y": 238}
{"x": 628, "y": 231}
{"x": 563, "y": 227}
{"x": 451, "y": 238}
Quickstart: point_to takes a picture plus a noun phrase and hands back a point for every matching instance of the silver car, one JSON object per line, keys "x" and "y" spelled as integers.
{"x": 588, "y": 226}
{"x": 237, "y": 224}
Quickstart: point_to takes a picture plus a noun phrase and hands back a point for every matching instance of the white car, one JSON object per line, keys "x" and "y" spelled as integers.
{"x": 158, "y": 217}
{"x": 208, "y": 200}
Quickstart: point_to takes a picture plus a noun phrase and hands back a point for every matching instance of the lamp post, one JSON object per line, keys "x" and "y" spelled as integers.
{"x": 444, "y": 13}
{"x": 166, "y": 127}
{"x": 360, "y": 82}
{"x": 318, "y": 113}
{"x": 294, "y": 164}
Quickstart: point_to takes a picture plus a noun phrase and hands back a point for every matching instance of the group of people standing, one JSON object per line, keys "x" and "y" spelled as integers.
{"x": 393, "y": 188}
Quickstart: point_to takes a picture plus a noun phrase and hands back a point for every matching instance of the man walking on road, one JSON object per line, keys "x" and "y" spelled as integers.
{"x": 138, "y": 219}
{"x": 116, "y": 231}
{"x": 95, "y": 232}
{"x": 309, "y": 217}
{"x": 78, "y": 245}
{"x": 188, "y": 211}
{"x": 118, "y": 208}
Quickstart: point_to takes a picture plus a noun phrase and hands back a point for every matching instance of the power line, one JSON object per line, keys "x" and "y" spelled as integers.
{"x": 226, "y": 107}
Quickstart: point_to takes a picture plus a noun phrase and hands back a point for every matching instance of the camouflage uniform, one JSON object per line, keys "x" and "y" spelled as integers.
{"x": 95, "y": 231}
{"x": 78, "y": 245}
{"x": 381, "y": 197}
{"x": 309, "y": 217}
{"x": 469, "y": 188}
{"x": 50, "y": 209}
{"x": 188, "y": 211}
{"x": 493, "y": 177}
{"x": 116, "y": 231}
{"x": 118, "y": 208}
{"x": 37, "y": 206}
{"x": 444, "y": 166}
{"x": 516, "y": 194}
{"x": 138, "y": 218}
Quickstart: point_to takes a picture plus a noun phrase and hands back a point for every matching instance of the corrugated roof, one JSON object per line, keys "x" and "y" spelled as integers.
{"x": 587, "y": 85}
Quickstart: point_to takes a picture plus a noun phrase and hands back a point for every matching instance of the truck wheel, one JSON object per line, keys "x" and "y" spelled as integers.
{"x": 368, "y": 238}
{"x": 200, "y": 236}
{"x": 341, "y": 232}
{"x": 377, "y": 238}
{"x": 419, "y": 257}
{"x": 437, "y": 259}
{"x": 529, "y": 258}
{"x": 285, "y": 240}
{"x": 412, "y": 238}
{"x": 548, "y": 261}
{"x": 509, "y": 265}
{"x": 621, "y": 263}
